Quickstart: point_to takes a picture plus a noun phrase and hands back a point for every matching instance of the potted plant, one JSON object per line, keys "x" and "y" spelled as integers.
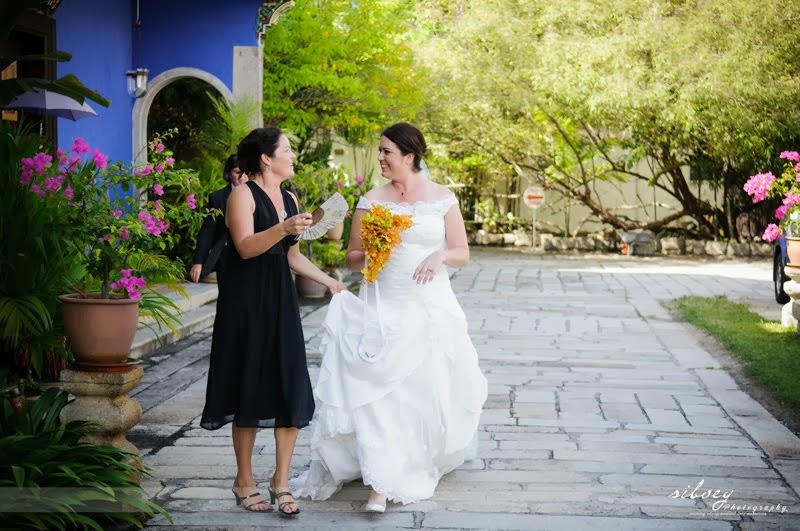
{"x": 787, "y": 187}
{"x": 117, "y": 219}
{"x": 327, "y": 255}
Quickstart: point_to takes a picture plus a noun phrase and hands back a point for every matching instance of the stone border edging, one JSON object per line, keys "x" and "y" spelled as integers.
{"x": 670, "y": 246}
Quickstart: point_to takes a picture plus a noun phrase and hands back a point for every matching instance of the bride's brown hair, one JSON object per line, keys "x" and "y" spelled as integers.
{"x": 409, "y": 139}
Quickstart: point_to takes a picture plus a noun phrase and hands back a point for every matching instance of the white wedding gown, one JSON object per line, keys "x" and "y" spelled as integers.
{"x": 398, "y": 407}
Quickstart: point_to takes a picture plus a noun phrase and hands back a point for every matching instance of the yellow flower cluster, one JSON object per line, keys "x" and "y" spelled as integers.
{"x": 380, "y": 232}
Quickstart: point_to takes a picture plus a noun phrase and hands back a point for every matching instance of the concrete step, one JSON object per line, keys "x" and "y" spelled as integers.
{"x": 197, "y": 313}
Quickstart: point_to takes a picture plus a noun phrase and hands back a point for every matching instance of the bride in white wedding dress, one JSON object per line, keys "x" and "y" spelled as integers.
{"x": 400, "y": 392}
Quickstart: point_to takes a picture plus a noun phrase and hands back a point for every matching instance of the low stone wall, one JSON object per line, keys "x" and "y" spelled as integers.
{"x": 592, "y": 244}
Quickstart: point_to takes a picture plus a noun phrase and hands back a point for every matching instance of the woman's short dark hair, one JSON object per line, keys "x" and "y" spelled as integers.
{"x": 409, "y": 139}
{"x": 230, "y": 164}
{"x": 263, "y": 140}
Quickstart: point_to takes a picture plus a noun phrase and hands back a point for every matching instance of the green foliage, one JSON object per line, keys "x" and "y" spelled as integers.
{"x": 116, "y": 219}
{"x": 209, "y": 179}
{"x": 36, "y": 266}
{"x": 68, "y": 85}
{"x": 340, "y": 65}
{"x": 220, "y": 133}
{"x": 115, "y": 216}
{"x": 45, "y": 466}
{"x": 327, "y": 254}
{"x": 770, "y": 351}
{"x": 574, "y": 93}
{"x": 313, "y": 184}
{"x": 352, "y": 188}
{"x": 492, "y": 221}
{"x": 184, "y": 106}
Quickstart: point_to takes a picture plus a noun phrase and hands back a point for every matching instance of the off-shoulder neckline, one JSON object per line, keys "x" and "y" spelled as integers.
{"x": 407, "y": 204}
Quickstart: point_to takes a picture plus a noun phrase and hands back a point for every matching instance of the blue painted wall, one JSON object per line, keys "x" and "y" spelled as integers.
{"x": 98, "y": 35}
{"x": 174, "y": 33}
{"x": 198, "y": 34}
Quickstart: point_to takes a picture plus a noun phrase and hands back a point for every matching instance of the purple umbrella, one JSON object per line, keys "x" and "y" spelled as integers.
{"x": 51, "y": 104}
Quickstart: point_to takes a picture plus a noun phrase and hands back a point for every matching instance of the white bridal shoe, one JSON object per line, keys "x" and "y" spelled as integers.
{"x": 376, "y": 503}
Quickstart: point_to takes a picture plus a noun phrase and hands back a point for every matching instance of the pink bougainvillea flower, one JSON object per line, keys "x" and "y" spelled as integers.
{"x": 771, "y": 233}
{"x": 159, "y": 168}
{"x": 758, "y": 186}
{"x": 158, "y": 189}
{"x": 191, "y": 201}
{"x": 124, "y": 234}
{"x": 794, "y": 156}
{"x": 100, "y": 160}
{"x": 80, "y": 146}
{"x": 25, "y": 177}
{"x": 51, "y": 184}
{"x": 152, "y": 225}
{"x": 72, "y": 163}
{"x": 780, "y": 212}
{"x": 38, "y": 163}
{"x": 144, "y": 171}
{"x": 159, "y": 147}
{"x": 359, "y": 179}
{"x": 116, "y": 213}
{"x": 156, "y": 226}
{"x": 41, "y": 161}
{"x": 69, "y": 192}
{"x": 130, "y": 284}
{"x": 169, "y": 161}
{"x": 791, "y": 199}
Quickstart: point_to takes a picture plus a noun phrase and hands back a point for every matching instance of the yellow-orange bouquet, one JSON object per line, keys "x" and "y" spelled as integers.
{"x": 380, "y": 232}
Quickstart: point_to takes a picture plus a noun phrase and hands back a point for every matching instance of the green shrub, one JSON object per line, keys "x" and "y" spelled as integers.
{"x": 36, "y": 266}
{"x": 327, "y": 254}
{"x": 52, "y": 480}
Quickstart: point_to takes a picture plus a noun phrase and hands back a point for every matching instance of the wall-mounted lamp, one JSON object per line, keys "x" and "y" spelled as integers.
{"x": 137, "y": 82}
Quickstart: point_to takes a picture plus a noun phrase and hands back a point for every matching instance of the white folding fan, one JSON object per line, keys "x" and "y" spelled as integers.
{"x": 327, "y": 216}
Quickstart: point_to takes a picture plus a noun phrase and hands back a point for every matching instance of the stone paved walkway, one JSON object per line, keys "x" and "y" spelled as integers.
{"x": 603, "y": 411}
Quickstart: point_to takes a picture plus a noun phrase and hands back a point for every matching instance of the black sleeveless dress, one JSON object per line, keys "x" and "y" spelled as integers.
{"x": 258, "y": 375}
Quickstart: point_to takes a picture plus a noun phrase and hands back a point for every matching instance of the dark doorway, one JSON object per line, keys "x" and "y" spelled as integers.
{"x": 186, "y": 105}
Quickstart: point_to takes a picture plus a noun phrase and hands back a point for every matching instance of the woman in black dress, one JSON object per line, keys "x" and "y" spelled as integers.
{"x": 258, "y": 376}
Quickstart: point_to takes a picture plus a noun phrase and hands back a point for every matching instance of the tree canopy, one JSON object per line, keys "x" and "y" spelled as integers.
{"x": 578, "y": 91}
{"x": 338, "y": 65}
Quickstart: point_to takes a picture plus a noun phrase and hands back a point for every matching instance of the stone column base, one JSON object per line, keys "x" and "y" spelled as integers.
{"x": 102, "y": 399}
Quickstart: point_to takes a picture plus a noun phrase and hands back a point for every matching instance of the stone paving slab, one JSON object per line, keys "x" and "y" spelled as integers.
{"x": 603, "y": 412}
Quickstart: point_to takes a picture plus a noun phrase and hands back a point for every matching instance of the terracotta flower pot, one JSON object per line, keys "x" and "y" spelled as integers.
{"x": 310, "y": 289}
{"x": 100, "y": 331}
{"x": 793, "y": 249}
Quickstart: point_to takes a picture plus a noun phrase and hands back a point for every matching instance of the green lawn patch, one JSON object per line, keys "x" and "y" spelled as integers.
{"x": 769, "y": 351}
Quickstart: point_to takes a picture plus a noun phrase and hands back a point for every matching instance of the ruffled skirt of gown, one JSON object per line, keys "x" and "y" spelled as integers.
{"x": 405, "y": 417}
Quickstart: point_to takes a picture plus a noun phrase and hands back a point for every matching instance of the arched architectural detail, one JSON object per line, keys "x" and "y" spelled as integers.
{"x": 269, "y": 13}
{"x": 141, "y": 109}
